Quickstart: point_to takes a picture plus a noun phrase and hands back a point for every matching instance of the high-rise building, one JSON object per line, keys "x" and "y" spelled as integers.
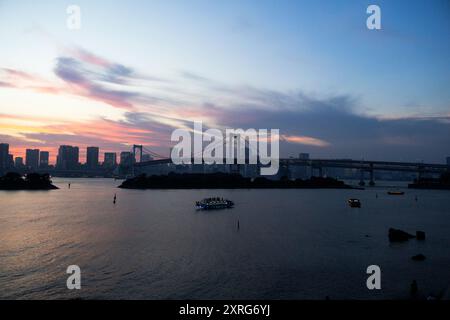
{"x": 10, "y": 161}
{"x": 92, "y": 157}
{"x": 302, "y": 171}
{"x": 110, "y": 159}
{"x": 18, "y": 162}
{"x": 126, "y": 159}
{"x": 32, "y": 159}
{"x": 68, "y": 158}
{"x": 4, "y": 155}
{"x": 43, "y": 159}
{"x": 303, "y": 156}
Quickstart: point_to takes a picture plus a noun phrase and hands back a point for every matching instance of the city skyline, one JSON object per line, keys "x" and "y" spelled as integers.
{"x": 109, "y": 158}
{"x": 36, "y": 158}
{"x": 314, "y": 71}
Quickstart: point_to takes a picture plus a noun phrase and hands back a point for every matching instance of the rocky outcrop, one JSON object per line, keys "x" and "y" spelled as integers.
{"x": 418, "y": 257}
{"x": 420, "y": 235}
{"x": 396, "y": 235}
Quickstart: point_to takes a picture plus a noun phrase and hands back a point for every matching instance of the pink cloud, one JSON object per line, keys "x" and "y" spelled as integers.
{"x": 305, "y": 140}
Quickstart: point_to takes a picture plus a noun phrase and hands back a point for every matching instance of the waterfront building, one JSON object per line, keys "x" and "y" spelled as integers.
{"x": 110, "y": 159}
{"x": 4, "y": 152}
{"x": 92, "y": 157}
{"x": 43, "y": 159}
{"x": 68, "y": 158}
{"x": 18, "y": 163}
{"x": 126, "y": 159}
{"x": 32, "y": 159}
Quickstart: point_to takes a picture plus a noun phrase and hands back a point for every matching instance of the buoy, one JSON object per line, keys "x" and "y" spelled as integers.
{"x": 238, "y": 225}
{"x": 115, "y": 197}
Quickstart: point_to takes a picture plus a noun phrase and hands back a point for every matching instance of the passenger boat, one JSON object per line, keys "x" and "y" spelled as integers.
{"x": 214, "y": 203}
{"x": 396, "y": 193}
{"x": 354, "y": 203}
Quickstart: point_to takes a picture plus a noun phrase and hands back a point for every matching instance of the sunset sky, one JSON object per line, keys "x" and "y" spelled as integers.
{"x": 137, "y": 70}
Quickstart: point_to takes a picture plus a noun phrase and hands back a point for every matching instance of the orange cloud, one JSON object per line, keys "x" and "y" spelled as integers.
{"x": 31, "y": 132}
{"x": 305, "y": 140}
{"x": 22, "y": 80}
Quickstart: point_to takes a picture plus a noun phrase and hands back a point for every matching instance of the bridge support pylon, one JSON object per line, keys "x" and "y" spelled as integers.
{"x": 361, "y": 178}
{"x": 420, "y": 172}
{"x": 372, "y": 182}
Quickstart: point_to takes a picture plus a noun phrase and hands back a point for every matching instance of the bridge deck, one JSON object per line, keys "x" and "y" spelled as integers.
{"x": 342, "y": 163}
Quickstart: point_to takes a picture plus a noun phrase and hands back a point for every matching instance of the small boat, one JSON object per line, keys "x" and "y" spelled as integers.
{"x": 354, "y": 203}
{"x": 214, "y": 203}
{"x": 396, "y": 193}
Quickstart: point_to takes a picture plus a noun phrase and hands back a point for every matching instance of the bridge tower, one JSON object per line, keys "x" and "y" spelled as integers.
{"x": 139, "y": 147}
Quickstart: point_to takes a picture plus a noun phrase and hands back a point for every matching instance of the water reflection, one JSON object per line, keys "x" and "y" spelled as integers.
{"x": 293, "y": 244}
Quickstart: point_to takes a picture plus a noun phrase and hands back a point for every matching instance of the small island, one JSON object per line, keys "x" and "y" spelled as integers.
{"x": 31, "y": 181}
{"x": 226, "y": 181}
{"x": 442, "y": 183}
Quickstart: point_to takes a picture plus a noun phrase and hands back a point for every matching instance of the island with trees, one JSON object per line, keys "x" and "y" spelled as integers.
{"x": 225, "y": 181}
{"x": 441, "y": 183}
{"x": 30, "y": 181}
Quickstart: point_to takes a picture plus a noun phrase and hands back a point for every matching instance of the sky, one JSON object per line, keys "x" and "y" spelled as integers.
{"x": 137, "y": 70}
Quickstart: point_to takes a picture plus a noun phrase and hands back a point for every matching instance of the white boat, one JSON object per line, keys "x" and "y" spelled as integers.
{"x": 214, "y": 203}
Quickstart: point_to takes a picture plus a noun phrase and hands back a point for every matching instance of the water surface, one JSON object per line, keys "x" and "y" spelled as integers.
{"x": 153, "y": 244}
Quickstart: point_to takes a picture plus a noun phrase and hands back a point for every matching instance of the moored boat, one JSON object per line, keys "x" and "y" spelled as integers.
{"x": 214, "y": 203}
{"x": 396, "y": 193}
{"x": 354, "y": 203}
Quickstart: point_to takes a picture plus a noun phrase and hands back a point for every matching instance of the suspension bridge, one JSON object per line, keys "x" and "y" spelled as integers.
{"x": 317, "y": 166}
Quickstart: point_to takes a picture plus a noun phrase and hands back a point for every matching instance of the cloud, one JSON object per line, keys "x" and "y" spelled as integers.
{"x": 331, "y": 126}
{"x": 193, "y": 76}
{"x": 88, "y": 82}
{"x": 5, "y": 84}
{"x": 17, "y": 74}
{"x": 305, "y": 140}
{"x": 12, "y": 78}
{"x": 89, "y": 57}
{"x": 107, "y": 134}
{"x": 324, "y": 125}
